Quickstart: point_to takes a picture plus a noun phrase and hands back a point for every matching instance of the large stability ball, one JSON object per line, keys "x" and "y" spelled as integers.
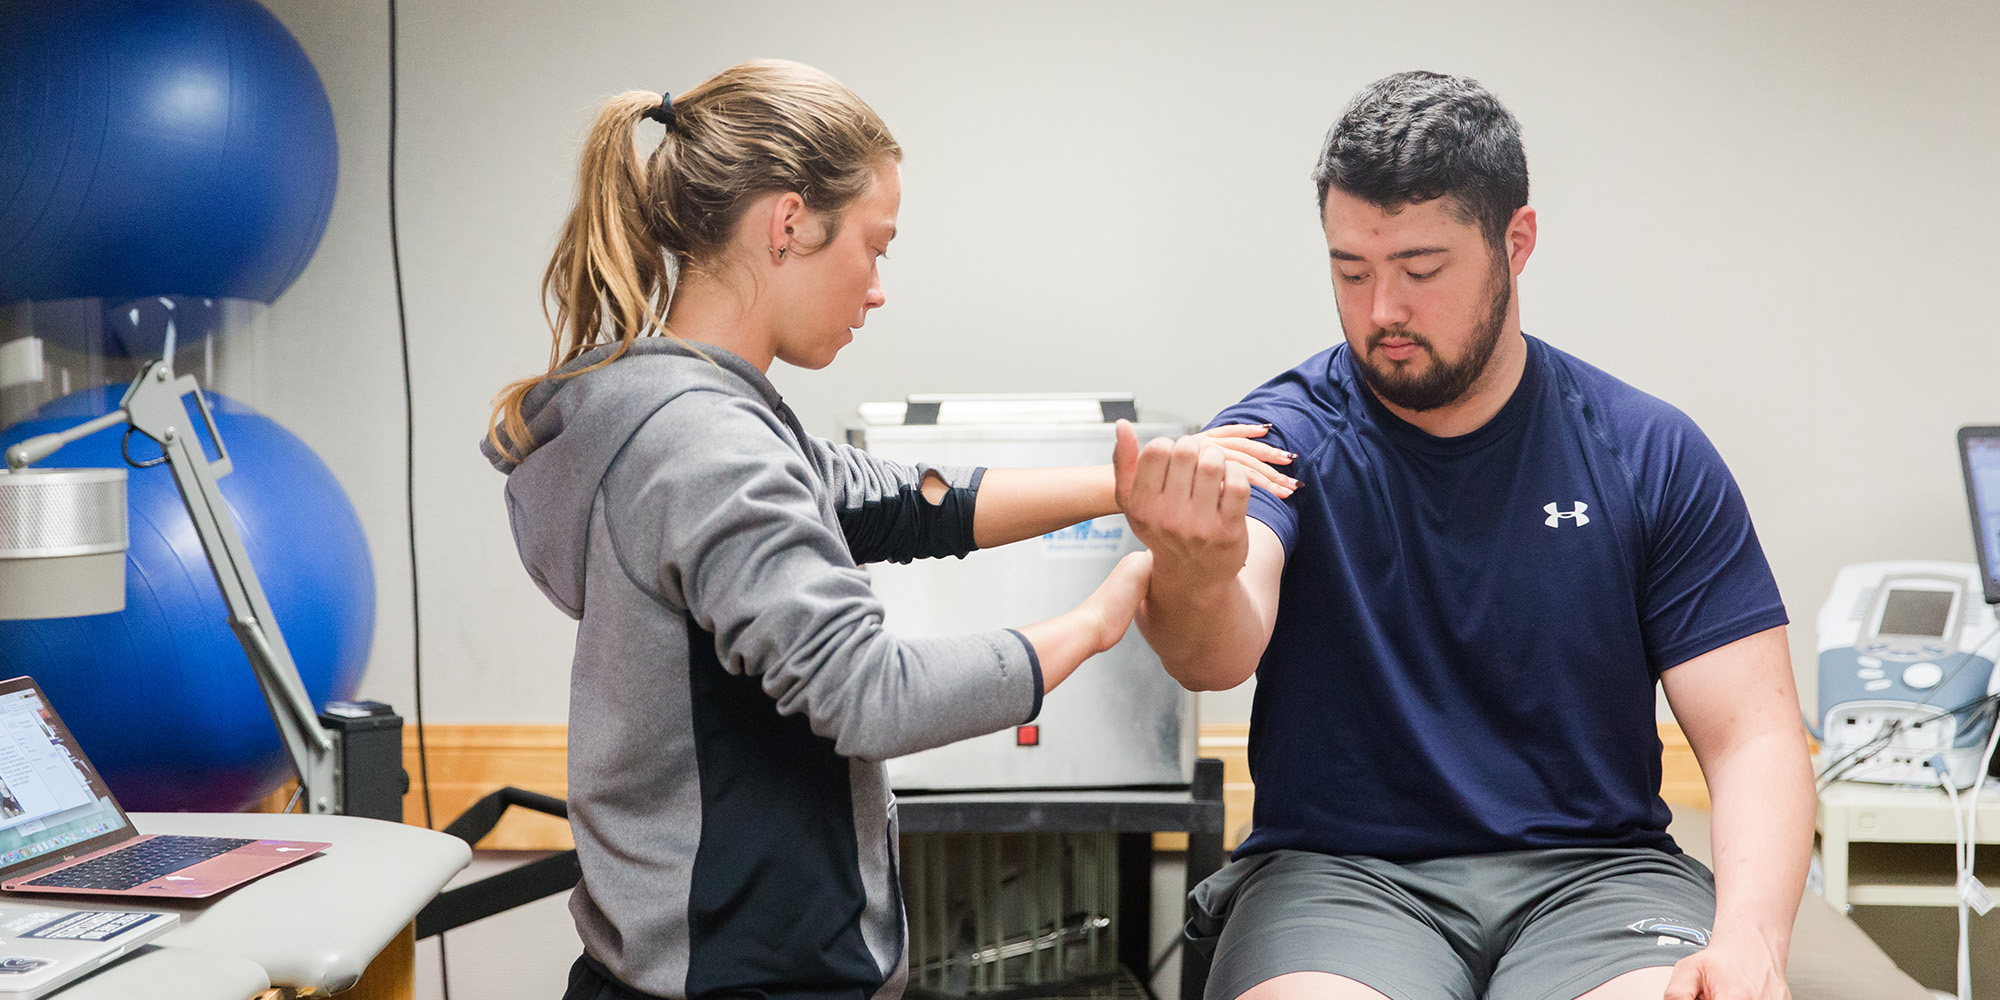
{"x": 158, "y": 147}
{"x": 161, "y": 695}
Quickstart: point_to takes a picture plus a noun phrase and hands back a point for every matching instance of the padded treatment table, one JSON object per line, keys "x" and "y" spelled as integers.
{"x": 170, "y": 974}
{"x": 313, "y": 927}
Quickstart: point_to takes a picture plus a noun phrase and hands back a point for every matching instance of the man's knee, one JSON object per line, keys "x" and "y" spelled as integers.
{"x": 1311, "y": 986}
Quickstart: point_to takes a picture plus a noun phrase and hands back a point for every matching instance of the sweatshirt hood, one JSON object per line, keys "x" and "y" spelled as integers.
{"x": 578, "y": 426}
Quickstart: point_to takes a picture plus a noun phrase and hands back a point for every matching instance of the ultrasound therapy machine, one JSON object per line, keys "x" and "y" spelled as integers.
{"x": 1907, "y": 650}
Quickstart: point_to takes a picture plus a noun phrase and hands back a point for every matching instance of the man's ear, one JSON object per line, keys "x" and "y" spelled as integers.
{"x": 1520, "y": 239}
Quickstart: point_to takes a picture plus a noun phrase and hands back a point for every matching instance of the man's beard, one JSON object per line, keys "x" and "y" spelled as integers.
{"x": 1442, "y": 383}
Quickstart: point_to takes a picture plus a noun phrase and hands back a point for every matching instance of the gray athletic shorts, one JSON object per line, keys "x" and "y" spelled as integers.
{"x": 1525, "y": 925}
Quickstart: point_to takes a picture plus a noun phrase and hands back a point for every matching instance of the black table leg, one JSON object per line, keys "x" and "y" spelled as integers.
{"x": 1135, "y": 901}
{"x": 1204, "y": 858}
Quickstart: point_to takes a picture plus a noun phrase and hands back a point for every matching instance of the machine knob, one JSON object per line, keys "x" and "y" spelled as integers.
{"x": 1922, "y": 675}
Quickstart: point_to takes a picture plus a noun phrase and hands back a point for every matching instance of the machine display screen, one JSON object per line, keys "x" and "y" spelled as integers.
{"x": 1981, "y": 448}
{"x": 1916, "y": 612}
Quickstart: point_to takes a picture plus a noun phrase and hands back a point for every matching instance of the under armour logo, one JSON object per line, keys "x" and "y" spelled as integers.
{"x": 1556, "y": 516}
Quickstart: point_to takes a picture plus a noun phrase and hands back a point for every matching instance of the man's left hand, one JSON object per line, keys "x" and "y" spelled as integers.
{"x": 1730, "y": 970}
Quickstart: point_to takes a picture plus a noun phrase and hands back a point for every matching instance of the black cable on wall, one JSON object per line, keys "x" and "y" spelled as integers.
{"x": 410, "y": 477}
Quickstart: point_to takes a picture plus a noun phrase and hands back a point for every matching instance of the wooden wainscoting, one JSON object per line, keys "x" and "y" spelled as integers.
{"x": 1681, "y": 783}
{"x": 468, "y": 761}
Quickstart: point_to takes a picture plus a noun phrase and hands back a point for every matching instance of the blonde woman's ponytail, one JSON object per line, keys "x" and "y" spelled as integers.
{"x": 608, "y": 280}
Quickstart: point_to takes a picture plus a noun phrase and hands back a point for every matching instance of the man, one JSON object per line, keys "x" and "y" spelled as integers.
{"x": 1457, "y": 621}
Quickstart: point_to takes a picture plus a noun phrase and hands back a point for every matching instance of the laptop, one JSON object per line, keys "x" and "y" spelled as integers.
{"x": 1979, "y": 452}
{"x": 62, "y": 831}
{"x": 43, "y": 948}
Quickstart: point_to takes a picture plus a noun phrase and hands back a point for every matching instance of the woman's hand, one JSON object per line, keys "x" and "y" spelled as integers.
{"x": 1240, "y": 446}
{"x": 1115, "y": 602}
{"x": 1062, "y": 643}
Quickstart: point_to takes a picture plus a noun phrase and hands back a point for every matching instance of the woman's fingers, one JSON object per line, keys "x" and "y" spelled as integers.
{"x": 1238, "y": 430}
{"x": 1254, "y": 456}
{"x": 1277, "y": 483}
{"x": 1269, "y": 454}
{"x": 1239, "y": 437}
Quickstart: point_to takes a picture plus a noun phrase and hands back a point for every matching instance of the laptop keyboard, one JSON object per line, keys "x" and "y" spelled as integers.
{"x": 139, "y": 864}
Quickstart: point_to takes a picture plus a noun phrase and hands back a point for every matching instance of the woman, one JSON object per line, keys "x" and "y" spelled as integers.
{"x": 733, "y": 690}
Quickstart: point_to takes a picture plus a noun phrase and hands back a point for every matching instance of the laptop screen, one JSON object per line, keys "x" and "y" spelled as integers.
{"x": 52, "y": 802}
{"x": 1980, "y": 449}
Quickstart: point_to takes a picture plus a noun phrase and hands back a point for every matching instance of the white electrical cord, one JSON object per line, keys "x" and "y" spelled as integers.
{"x": 1971, "y": 845}
{"x": 1965, "y": 841}
{"x": 1958, "y": 885}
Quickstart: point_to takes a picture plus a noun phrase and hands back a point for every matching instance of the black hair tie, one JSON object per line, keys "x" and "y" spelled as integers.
{"x": 664, "y": 114}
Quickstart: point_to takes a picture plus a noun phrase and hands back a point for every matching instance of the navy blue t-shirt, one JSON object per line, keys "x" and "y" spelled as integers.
{"x": 1470, "y": 629}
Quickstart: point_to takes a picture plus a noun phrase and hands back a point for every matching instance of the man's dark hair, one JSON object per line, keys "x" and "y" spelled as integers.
{"x": 1416, "y": 136}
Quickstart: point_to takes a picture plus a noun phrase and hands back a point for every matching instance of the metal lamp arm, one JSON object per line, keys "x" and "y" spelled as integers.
{"x": 153, "y": 407}
{"x": 41, "y": 446}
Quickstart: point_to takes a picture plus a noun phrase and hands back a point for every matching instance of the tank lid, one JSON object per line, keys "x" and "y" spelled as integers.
{"x": 1036, "y": 408}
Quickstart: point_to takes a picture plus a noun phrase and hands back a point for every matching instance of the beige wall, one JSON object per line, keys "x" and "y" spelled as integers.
{"x": 1781, "y": 220}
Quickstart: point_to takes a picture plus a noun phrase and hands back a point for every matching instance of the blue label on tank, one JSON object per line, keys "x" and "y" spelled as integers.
{"x": 1088, "y": 537}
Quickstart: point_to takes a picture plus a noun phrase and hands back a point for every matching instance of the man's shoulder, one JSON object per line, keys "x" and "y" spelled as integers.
{"x": 1614, "y": 409}
{"x": 1323, "y": 370}
{"x": 1317, "y": 388}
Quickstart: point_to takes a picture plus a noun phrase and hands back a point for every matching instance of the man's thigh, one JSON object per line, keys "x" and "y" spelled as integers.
{"x": 1600, "y": 915}
{"x": 1292, "y": 912}
{"x": 1310, "y": 986}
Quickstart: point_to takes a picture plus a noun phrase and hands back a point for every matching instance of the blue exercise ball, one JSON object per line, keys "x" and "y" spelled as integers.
{"x": 158, "y": 147}
{"x": 161, "y": 695}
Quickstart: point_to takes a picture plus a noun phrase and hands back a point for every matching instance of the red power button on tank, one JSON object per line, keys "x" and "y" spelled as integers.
{"x": 1027, "y": 736}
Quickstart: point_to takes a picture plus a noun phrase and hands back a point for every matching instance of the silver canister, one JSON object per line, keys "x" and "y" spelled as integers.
{"x": 62, "y": 542}
{"x": 1120, "y": 720}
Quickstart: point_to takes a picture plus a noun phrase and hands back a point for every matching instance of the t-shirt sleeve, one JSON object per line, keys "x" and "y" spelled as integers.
{"x": 1706, "y": 582}
{"x": 1298, "y": 425}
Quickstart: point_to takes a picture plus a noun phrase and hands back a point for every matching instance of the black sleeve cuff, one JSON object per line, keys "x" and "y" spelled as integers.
{"x": 1035, "y": 667}
{"x": 968, "y": 500}
{"x": 906, "y": 526}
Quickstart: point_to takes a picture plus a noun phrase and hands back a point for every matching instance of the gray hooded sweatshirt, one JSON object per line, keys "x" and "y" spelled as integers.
{"x": 733, "y": 691}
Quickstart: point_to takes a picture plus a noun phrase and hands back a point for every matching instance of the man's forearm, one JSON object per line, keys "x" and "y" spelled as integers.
{"x": 1208, "y": 636}
{"x": 1762, "y": 794}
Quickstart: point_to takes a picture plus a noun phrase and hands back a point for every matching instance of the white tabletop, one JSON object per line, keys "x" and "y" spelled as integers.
{"x": 1864, "y": 811}
{"x": 171, "y": 974}
{"x": 318, "y": 923}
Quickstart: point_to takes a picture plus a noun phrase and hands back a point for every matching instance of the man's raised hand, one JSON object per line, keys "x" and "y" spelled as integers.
{"x": 1186, "y": 501}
